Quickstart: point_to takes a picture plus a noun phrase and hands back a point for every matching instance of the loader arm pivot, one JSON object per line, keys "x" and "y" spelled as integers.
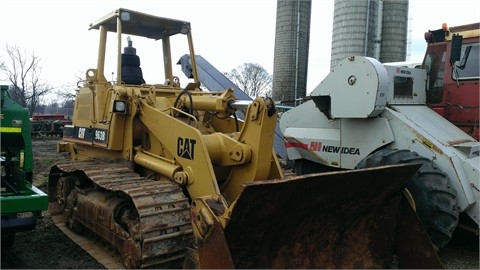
{"x": 194, "y": 154}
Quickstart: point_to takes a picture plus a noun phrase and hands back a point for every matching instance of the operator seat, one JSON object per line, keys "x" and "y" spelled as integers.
{"x": 131, "y": 71}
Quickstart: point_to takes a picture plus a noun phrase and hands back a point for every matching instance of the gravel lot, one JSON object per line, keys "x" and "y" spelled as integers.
{"x": 47, "y": 247}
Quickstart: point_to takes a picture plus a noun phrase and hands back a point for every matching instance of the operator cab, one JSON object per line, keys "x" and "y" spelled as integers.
{"x": 133, "y": 23}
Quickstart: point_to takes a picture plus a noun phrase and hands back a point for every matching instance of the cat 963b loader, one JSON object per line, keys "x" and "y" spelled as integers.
{"x": 168, "y": 176}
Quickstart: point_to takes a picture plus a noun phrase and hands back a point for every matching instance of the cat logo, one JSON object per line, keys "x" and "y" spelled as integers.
{"x": 186, "y": 148}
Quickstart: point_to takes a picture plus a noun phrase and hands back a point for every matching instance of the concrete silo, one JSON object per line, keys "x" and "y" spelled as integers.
{"x": 353, "y": 29}
{"x": 374, "y": 28}
{"x": 292, "y": 36}
{"x": 394, "y": 31}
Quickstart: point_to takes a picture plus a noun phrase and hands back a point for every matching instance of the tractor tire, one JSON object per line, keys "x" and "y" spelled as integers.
{"x": 305, "y": 166}
{"x": 435, "y": 200}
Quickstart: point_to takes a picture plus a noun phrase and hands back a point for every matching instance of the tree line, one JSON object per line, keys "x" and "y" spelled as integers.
{"x": 23, "y": 72}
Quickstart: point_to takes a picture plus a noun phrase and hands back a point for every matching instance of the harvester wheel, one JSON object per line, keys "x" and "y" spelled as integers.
{"x": 305, "y": 166}
{"x": 435, "y": 200}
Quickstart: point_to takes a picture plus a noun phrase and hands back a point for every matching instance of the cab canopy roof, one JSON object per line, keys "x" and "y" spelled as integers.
{"x": 141, "y": 24}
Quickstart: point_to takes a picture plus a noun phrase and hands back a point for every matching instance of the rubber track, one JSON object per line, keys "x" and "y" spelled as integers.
{"x": 163, "y": 209}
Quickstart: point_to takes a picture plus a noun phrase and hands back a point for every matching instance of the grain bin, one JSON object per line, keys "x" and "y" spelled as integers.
{"x": 291, "y": 50}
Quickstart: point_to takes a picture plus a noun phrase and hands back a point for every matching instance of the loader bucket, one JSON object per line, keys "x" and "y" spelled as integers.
{"x": 348, "y": 219}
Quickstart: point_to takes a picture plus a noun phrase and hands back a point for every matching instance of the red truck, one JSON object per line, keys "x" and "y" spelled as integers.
{"x": 452, "y": 64}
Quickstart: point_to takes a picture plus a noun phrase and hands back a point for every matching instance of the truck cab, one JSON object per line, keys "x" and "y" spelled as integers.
{"x": 452, "y": 65}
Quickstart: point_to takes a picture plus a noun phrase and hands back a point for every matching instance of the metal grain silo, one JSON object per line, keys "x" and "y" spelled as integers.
{"x": 292, "y": 36}
{"x": 354, "y": 29}
{"x": 394, "y": 31}
{"x": 374, "y": 28}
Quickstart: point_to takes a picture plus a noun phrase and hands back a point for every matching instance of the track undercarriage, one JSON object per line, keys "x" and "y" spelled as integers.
{"x": 147, "y": 222}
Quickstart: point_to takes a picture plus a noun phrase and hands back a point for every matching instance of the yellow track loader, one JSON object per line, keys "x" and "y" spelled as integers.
{"x": 168, "y": 176}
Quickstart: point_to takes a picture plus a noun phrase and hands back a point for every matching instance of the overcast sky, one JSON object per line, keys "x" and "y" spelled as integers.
{"x": 227, "y": 33}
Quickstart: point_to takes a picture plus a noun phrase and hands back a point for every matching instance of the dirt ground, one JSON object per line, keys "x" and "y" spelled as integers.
{"x": 46, "y": 247}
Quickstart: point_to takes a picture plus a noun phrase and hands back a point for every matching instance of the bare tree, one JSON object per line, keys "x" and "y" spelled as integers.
{"x": 253, "y": 79}
{"x": 65, "y": 95}
{"x": 23, "y": 72}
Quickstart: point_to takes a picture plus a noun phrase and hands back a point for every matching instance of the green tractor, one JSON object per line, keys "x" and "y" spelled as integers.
{"x": 21, "y": 202}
